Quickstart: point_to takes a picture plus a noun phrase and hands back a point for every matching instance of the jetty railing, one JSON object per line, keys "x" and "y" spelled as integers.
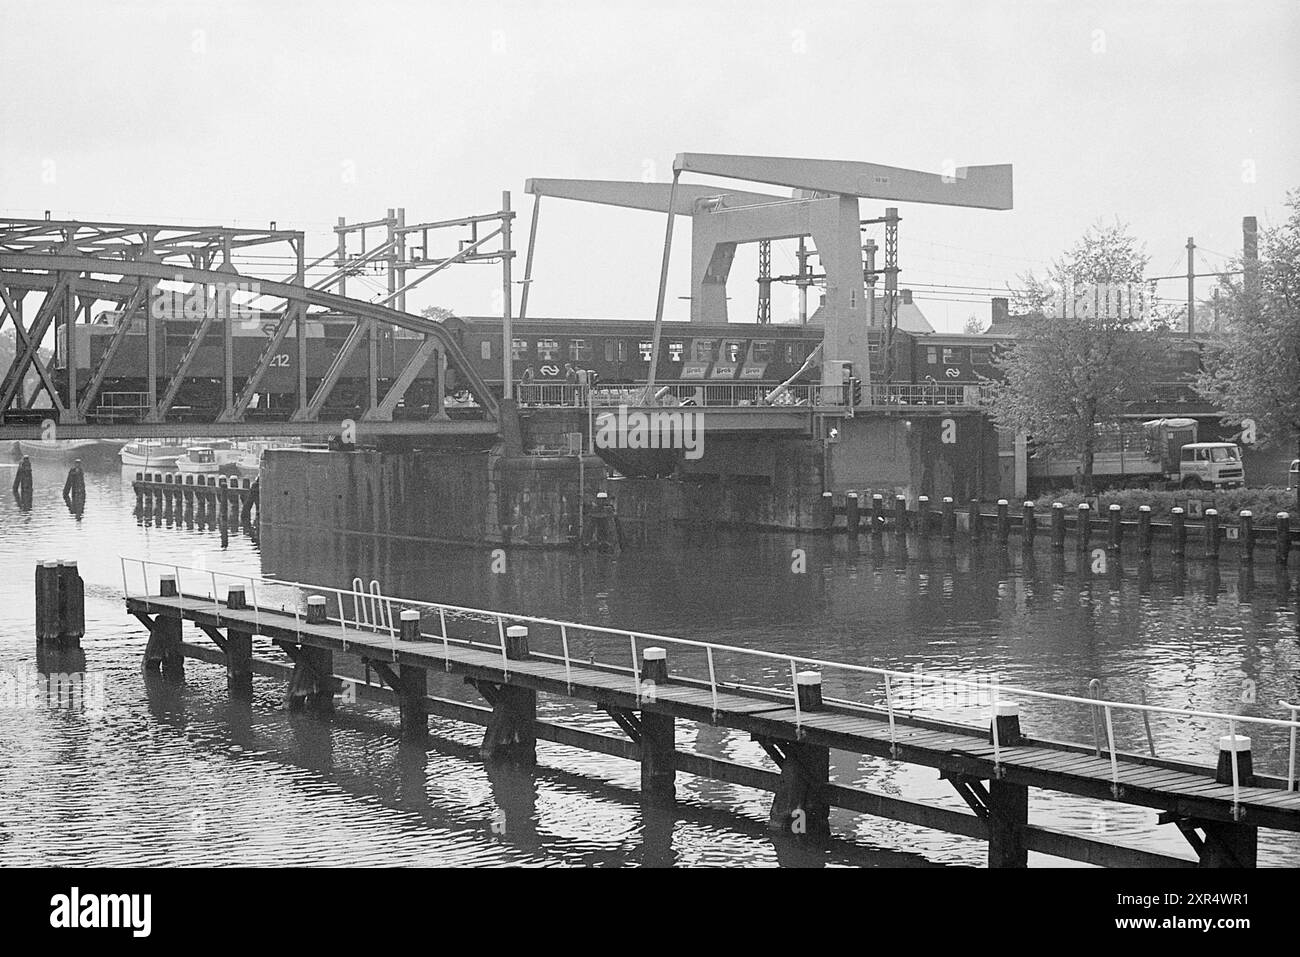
{"x": 492, "y": 636}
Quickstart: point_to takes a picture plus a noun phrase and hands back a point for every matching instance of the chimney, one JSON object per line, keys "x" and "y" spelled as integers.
{"x": 1001, "y": 309}
{"x": 907, "y": 296}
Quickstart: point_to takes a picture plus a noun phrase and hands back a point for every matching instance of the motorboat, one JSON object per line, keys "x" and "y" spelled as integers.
{"x": 152, "y": 453}
{"x": 198, "y": 460}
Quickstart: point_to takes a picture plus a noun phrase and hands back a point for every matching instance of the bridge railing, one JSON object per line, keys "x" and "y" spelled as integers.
{"x": 738, "y": 395}
{"x": 887, "y": 693}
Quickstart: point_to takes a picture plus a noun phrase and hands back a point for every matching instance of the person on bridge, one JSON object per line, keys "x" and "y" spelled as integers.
{"x": 23, "y": 483}
{"x": 74, "y": 489}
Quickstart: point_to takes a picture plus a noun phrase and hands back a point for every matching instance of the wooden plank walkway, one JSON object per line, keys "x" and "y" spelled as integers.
{"x": 1183, "y": 790}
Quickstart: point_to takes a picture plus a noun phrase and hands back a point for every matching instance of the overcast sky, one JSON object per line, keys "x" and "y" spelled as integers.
{"x": 1179, "y": 118}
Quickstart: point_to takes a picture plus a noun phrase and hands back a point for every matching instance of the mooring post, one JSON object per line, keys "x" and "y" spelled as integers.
{"x": 1144, "y": 529}
{"x": 800, "y": 804}
{"x": 949, "y": 519}
{"x": 658, "y": 731}
{"x": 47, "y": 602}
{"x": 973, "y": 513}
{"x": 1283, "y": 536}
{"x": 852, "y": 512}
{"x": 1004, "y": 522}
{"x": 1083, "y": 526}
{"x": 1028, "y": 525}
{"x": 414, "y": 681}
{"x": 312, "y": 684}
{"x": 826, "y": 511}
{"x": 138, "y": 487}
{"x": 877, "y": 513}
{"x": 1178, "y": 531}
{"x": 1246, "y": 535}
{"x": 511, "y": 733}
{"x": 1212, "y": 534}
{"x": 1008, "y": 803}
{"x": 163, "y": 652}
{"x": 900, "y": 515}
{"x": 239, "y": 649}
{"x": 1058, "y": 526}
{"x": 923, "y": 516}
{"x": 72, "y": 606}
{"x": 1115, "y": 514}
{"x": 1231, "y": 843}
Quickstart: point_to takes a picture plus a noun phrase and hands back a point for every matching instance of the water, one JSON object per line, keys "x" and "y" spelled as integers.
{"x": 164, "y": 774}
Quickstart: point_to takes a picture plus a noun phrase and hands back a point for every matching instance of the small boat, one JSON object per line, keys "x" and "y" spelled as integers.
{"x": 198, "y": 460}
{"x": 64, "y": 450}
{"x": 250, "y": 461}
{"x": 152, "y": 453}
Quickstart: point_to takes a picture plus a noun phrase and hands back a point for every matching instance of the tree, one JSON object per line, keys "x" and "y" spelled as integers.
{"x": 974, "y": 325}
{"x": 436, "y": 313}
{"x": 1071, "y": 371}
{"x": 1252, "y": 371}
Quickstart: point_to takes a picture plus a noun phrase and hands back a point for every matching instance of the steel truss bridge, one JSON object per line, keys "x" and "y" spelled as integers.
{"x": 57, "y": 275}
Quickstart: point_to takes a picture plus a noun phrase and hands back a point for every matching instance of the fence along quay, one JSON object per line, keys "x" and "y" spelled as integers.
{"x": 797, "y": 711}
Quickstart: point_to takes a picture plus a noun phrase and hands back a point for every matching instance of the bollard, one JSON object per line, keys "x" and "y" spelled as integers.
{"x": 801, "y": 804}
{"x": 658, "y": 731}
{"x": 1240, "y": 744}
{"x": 1003, "y": 522}
{"x": 877, "y": 513}
{"x": 1058, "y": 526}
{"x": 1144, "y": 529}
{"x": 1283, "y": 536}
{"x": 167, "y": 586}
{"x": 315, "y": 609}
{"x": 852, "y": 512}
{"x": 1246, "y": 535}
{"x": 1178, "y": 531}
{"x": 312, "y": 683}
{"x": 1231, "y": 844}
{"x": 72, "y": 606}
{"x": 1008, "y": 804}
{"x": 949, "y": 519}
{"x": 511, "y": 732}
{"x": 47, "y": 602}
{"x": 1114, "y": 513}
{"x": 1028, "y": 525}
{"x": 414, "y": 683}
{"x": 923, "y": 516}
{"x": 1083, "y": 526}
{"x": 163, "y": 651}
{"x": 826, "y": 511}
{"x": 900, "y": 515}
{"x": 1212, "y": 534}
{"x": 974, "y": 514}
{"x": 239, "y": 648}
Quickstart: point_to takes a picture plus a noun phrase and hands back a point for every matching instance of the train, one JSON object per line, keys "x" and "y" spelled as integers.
{"x": 543, "y": 350}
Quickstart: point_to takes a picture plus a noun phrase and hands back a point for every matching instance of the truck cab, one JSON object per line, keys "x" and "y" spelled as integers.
{"x": 1211, "y": 465}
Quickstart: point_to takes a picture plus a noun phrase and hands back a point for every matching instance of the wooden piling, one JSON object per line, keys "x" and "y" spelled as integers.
{"x": 1083, "y": 526}
{"x": 877, "y": 513}
{"x": 658, "y": 730}
{"x": 511, "y": 732}
{"x": 1231, "y": 844}
{"x": 414, "y": 683}
{"x": 900, "y": 515}
{"x": 1028, "y": 525}
{"x": 1178, "y": 532}
{"x": 163, "y": 651}
{"x": 72, "y": 606}
{"x": 239, "y": 649}
{"x": 1246, "y": 535}
{"x": 1058, "y": 526}
{"x": 949, "y": 519}
{"x": 1116, "y": 539}
{"x": 852, "y": 512}
{"x": 1212, "y": 534}
{"x": 923, "y": 516}
{"x": 1008, "y": 804}
{"x": 1003, "y": 522}
{"x": 826, "y": 511}
{"x": 1283, "y": 537}
{"x": 973, "y": 512}
{"x": 800, "y": 805}
{"x": 1144, "y": 529}
{"x": 312, "y": 685}
{"x": 47, "y": 602}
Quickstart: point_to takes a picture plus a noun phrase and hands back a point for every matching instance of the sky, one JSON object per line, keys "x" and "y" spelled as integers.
{"x": 1177, "y": 118}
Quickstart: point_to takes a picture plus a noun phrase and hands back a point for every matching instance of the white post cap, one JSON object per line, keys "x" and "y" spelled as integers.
{"x": 923, "y": 498}
{"x": 1283, "y": 514}
{"x": 1028, "y": 504}
{"x": 234, "y": 588}
{"x": 1246, "y": 513}
{"x": 808, "y": 678}
{"x": 516, "y": 631}
{"x": 1084, "y": 507}
{"x": 1211, "y": 511}
{"x": 315, "y": 599}
{"x": 655, "y": 654}
{"x": 1003, "y": 501}
{"x": 1006, "y": 709}
{"x": 1234, "y": 742}
{"x": 1114, "y": 507}
{"x": 409, "y": 614}
{"x": 947, "y": 498}
{"x": 164, "y": 577}
{"x": 602, "y": 495}
{"x": 850, "y": 494}
{"x": 1058, "y": 505}
{"x": 1176, "y": 510}
{"x": 1144, "y": 508}
{"x": 827, "y": 494}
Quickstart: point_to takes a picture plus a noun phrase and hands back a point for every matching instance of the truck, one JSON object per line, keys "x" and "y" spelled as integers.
{"x": 1158, "y": 452}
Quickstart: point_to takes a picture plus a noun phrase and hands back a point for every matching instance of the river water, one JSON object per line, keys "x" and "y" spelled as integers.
{"x": 151, "y": 772}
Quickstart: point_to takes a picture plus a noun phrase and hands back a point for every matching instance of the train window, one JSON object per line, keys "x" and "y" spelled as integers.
{"x": 646, "y": 347}
{"x": 675, "y": 350}
{"x": 518, "y": 349}
{"x": 789, "y": 351}
{"x": 547, "y": 349}
{"x": 932, "y": 355}
{"x": 579, "y": 350}
{"x": 702, "y": 350}
{"x": 732, "y": 350}
{"x": 953, "y": 356}
{"x": 609, "y": 350}
{"x": 981, "y": 355}
{"x": 762, "y": 350}
{"x": 485, "y": 349}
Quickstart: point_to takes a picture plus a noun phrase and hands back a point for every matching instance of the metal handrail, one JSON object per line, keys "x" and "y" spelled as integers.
{"x": 1001, "y": 693}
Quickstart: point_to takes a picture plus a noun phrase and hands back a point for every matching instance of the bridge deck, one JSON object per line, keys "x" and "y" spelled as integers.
{"x": 1185, "y": 790}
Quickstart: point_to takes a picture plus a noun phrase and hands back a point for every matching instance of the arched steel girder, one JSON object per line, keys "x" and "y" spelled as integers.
{"x": 297, "y": 299}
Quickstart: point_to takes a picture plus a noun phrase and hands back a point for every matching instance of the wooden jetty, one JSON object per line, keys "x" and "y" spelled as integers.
{"x": 176, "y": 493}
{"x": 510, "y": 659}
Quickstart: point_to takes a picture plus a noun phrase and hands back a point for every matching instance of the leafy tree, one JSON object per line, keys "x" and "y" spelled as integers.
{"x": 1068, "y": 378}
{"x": 1253, "y": 369}
{"x": 974, "y": 326}
{"x": 436, "y": 313}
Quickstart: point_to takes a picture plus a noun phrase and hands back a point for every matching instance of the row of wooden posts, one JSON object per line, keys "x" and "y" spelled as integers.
{"x": 165, "y": 492}
{"x": 1114, "y": 530}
